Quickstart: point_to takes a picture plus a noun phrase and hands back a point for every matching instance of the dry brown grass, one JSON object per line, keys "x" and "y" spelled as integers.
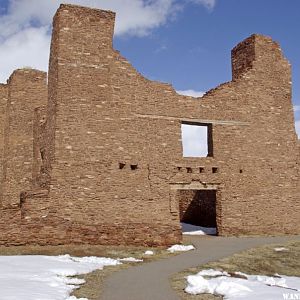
{"x": 94, "y": 281}
{"x": 93, "y": 287}
{"x": 262, "y": 260}
{"x": 74, "y": 250}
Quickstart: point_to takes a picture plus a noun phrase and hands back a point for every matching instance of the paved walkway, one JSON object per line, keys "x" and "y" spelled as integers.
{"x": 150, "y": 281}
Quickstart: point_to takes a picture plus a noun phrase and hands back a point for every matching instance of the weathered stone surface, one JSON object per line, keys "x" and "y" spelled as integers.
{"x": 3, "y": 105}
{"x": 27, "y": 89}
{"x": 102, "y": 162}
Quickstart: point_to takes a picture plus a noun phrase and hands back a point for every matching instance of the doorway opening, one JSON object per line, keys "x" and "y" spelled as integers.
{"x": 197, "y": 210}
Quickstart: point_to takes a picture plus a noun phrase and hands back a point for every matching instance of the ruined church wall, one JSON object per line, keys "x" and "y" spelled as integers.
{"x": 86, "y": 178}
{"x": 254, "y": 148}
{"x": 109, "y": 155}
{"x": 3, "y": 105}
{"x": 254, "y": 142}
{"x": 85, "y": 168}
{"x": 40, "y": 174}
{"x": 264, "y": 198}
{"x": 27, "y": 89}
{"x": 117, "y": 140}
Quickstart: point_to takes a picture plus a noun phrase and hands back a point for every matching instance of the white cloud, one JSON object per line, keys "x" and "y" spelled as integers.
{"x": 191, "y": 93}
{"x": 296, "y": 108}
{"x": 25, "y": 29}
{"x": 28, "y": 47}
{"x": 134, "y": 17}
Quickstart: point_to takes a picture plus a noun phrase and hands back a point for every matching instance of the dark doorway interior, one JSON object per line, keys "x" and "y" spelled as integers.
{"x": 198, "y": 207}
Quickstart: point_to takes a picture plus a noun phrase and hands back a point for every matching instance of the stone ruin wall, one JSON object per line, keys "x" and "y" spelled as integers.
{"x": 25, "y": 90}
{"x": 3, "y": 101}
{"x": 106, "y": 164}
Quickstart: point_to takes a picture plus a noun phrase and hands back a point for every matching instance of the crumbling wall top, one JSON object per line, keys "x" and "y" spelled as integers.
{"x": 257, "y": 47}
{"x": 28, "y": 73}
{"x": 86, "y": 11}
{"x": 86, "y": 22}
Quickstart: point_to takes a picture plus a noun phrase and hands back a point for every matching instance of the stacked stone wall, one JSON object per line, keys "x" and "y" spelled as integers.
{"x": 27, "y": 89}
{"x": 3, "y": 106}
{"x": 40, "y": 174}
{"x": 105, "y": 155}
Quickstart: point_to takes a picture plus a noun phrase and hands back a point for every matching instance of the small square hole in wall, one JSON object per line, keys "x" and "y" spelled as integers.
{"x": 133, "y": 167}
{"x": 241, "y": 171}
{"x": 215, "y": 170}
{"x": 178, "y": 169}
{"x": 201, "y": 170}
{"x": 189, "y": 170}
{"x": 121, "y": 166}
{"x": 196, "y": 139}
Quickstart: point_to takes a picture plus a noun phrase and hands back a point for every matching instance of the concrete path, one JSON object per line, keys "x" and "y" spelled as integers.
{"x": 150, "y": 281}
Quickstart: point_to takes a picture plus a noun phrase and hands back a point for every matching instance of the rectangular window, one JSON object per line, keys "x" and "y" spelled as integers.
{"x": 196, "y": 139}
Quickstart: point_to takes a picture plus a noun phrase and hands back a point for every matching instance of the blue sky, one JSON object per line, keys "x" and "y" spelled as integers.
{"x": 186, "y": 43}
{"x": 193, "y": 51}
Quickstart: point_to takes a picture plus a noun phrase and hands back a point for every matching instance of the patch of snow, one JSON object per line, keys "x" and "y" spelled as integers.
{"x": 254, "y": 287}
{"x": 267, "y": 280}
{"x": 130, "y": 259}
{"x": 281, "y": 249}
{"x": 180, "y": 248}
{"x": 241, "y": 274}
{"x": 212, "y": 273}
{"x": 189, "y": 229}
{"x": 31, "y": 277}
{"x": 149, "y": 252}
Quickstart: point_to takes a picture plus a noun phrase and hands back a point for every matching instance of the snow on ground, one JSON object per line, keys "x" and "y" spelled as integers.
{"x": 281, "y": 249}
{"x": 251, "y": 287}
{"x": 180, "y": 248}
{"x": 212, "y": 273}
{"x": 130, "y": 259}
{"x": 189, "y": 229}
{"x": 149, "y": 252}
{"x": 38, "y": 277}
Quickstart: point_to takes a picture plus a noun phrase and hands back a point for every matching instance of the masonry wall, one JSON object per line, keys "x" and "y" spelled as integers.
{"x": 27, "y": 89}
{"x": 3, "y": 105}
{"x": 107, "y": 156}
{"x": 95, "y": 131}
{"x": 257, "y": 159}
{"x": 40, "y": 173}
{"x": 127, "y": 131}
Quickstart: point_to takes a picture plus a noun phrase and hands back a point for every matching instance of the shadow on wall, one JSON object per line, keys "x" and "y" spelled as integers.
{"x": 198, "y": 207}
